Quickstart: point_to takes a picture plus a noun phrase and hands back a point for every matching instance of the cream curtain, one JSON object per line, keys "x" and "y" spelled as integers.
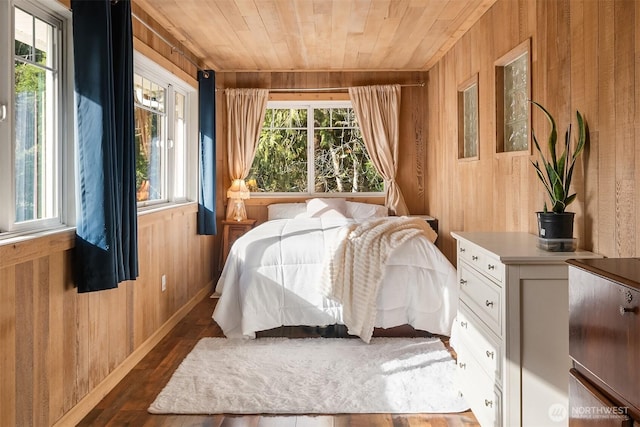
{"x": 246, "y": 109}
{"x": 378, "y": 110}
{"x": 245, "y": 113}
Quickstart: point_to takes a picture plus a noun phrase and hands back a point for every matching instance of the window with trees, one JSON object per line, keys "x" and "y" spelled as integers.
{"x": 31, "y": 125}
{"x": 313, "y": 148}
{"x": 36, "y": 122}
{"x": 161, "y": 117}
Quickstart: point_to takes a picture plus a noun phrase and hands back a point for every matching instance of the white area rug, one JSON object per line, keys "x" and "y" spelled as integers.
{"x": 312, "y": 376}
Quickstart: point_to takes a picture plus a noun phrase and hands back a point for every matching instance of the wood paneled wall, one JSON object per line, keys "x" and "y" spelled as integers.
{"x": 584, "y": 57}
{"x": 411, "y": 174}
{"x": 57, "y": 346}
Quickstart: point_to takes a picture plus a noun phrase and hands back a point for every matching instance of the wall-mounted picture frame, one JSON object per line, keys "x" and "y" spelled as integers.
{"x": 513, "y": 92}
{"x": 468, "y": 120}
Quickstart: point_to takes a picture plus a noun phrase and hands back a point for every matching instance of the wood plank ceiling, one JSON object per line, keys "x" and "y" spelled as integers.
{"x": 316, "y": 35}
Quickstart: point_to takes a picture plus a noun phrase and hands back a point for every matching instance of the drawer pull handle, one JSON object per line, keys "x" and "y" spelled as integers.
{"x": 463, "y": 324}
{"x": 463, "y": 282}
{"x": 488, "y": 403}
{"x": 474, "y": 257}
{"x": 462, "y": 250}
{"x": 491, "y": 267}
{"x": 490, "y": 354}
{"x": 628, "y": 296}
{"x": 625, "y": 310}
{"x": 462, "y": 365}
{"x": 488, "y": 303}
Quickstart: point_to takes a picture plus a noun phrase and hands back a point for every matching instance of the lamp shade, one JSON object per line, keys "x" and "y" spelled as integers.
{"x": 238, "y": 190}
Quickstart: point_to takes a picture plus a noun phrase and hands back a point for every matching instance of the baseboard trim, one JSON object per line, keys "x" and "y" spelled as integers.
{"x": 91, "y": 399}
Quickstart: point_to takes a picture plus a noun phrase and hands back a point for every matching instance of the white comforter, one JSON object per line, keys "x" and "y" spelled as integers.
{"x": 273, "y": 277}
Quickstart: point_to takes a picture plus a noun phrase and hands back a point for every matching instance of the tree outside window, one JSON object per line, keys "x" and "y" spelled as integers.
{"x": 312, "y": 148}
{"x": 36, "y": 138}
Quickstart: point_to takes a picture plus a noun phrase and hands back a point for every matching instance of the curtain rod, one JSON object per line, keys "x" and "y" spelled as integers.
{"x": 332, "y": 89}
{"x": 173, "y": 47}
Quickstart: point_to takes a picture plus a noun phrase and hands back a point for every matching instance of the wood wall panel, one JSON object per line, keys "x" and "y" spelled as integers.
{"x": 624, "y": 66}
{"x": 411, "y": 175}
{"x": 172, "y": 55}
{"x": 8, "y": 341}
{"x": 55, "y": 342}
{"x": 57, "y": 346}
{"x": 584, "y": 56}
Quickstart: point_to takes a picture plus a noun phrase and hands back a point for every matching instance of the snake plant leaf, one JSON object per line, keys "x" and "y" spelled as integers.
{"x": 559, "y": 206}
{"x": 547, "y": 181}
{"x": 567, "y": 153}
{"x": 582, "y": 135}
{"x": 561, "y": 164}
{"x": 544, "y": 181}
{"x": 553, "y": 135}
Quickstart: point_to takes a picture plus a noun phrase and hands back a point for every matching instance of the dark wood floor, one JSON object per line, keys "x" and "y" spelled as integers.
{"x": 127, "y": 404}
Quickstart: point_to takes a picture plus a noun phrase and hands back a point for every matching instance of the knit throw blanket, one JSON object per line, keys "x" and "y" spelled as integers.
{"x": 354, "y": 269}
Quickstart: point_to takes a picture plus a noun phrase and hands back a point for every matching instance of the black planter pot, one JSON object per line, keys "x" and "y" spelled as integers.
{"x": 553, "y": 225}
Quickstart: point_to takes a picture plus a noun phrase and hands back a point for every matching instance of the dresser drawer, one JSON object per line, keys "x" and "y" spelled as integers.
{"x": 604, "y": 326}
{"x": 482, "y": 343}
{"x": 479, "y": 391}
{"x": 481, "y": 260}
{"x": 493, "y": 268}
{"x": 482, "y": 296}
{"x": 590, "y": 408}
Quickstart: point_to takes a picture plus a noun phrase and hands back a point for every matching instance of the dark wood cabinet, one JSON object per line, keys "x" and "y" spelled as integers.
{"x": 589, "y": 407}
{"x": 604, "y": 342}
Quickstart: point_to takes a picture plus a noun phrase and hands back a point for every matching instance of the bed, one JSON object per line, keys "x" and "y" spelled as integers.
{"x": 274, "y": 274}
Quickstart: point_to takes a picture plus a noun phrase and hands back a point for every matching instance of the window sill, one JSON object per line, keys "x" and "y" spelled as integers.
{"x": 146, "y": 210}
{"x": 12, "y": 238}
{"x": 17, "y": 248}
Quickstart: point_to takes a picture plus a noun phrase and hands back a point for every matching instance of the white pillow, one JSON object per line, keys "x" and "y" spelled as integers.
{"x": 360, "y": 210}
{"x": 286, "y": 210}
{"x": 327, "y": 208}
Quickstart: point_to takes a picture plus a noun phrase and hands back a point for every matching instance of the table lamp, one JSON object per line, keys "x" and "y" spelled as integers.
{"x": 237, "y": 193}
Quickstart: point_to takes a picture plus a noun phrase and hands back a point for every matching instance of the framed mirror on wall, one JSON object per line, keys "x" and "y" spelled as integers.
{"x": 468, "y": 123}
{"x": 513, "y": 91}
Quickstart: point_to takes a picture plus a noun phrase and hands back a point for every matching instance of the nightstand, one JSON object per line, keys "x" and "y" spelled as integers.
{"x": 433, "y": 222}
{"x": 231, "y": 231}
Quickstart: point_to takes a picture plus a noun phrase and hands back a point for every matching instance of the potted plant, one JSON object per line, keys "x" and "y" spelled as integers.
{"x": 555, "y": 174}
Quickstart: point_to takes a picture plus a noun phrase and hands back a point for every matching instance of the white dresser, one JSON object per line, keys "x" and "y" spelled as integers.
{"x": 511, "y": 333}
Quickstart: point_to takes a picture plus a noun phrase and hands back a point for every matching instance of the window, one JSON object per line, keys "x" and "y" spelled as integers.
{"x": 468, "y": 119}
{"x": 32, "y": 157}
{"x": 161, "y": 116}
{"x": 512, "y": 100}
{"x": 36, "y": 122}
{"x": 312, "y": 148}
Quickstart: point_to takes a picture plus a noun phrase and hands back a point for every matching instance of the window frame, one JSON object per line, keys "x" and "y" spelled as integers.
{"x": 310, "y": 105}
{"x": 58, "y": 17}
{"x": 518, "y": 52}
{"x": 463, "y": 89}
{"x": 149, "y": 69}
